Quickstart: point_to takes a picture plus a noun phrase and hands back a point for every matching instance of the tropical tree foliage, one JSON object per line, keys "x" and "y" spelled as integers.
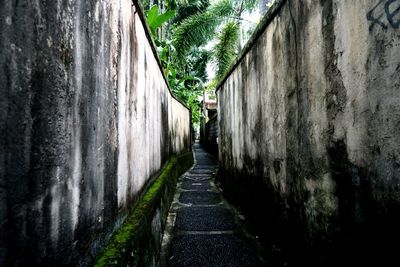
{"x": 156, "y": 20}
{"x": 183, "y": 28}
{"x": 223, "y": 16}
{"x": 226, "y": 48}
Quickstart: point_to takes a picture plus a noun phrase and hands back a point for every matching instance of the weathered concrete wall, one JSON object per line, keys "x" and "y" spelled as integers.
{"x": 209, "y": 137}
{"x": 86, "y": 120}
{"x": 138, "y": 241}
{"x": 310, "y": 130}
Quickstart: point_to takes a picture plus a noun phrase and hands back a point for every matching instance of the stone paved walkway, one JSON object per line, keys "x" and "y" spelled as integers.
{"x": 203, "y": 230}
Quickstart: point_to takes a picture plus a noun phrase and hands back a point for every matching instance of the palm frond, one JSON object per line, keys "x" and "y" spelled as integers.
{"x": 226, "y": 49}
{"x": 189, "y": 9}
{"x": 194, "y": 31}
{"x": 250, "y": 5}
{"x": 222, "y": 8}
{"x": 198, "y": 29}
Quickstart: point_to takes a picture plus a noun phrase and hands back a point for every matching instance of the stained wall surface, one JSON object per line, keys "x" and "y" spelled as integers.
{"x": 309, "y": 120}
{"x": 86, "y": 121}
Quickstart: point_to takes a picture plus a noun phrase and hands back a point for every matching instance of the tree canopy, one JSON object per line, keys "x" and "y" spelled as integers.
{"x": 191, "y": 35}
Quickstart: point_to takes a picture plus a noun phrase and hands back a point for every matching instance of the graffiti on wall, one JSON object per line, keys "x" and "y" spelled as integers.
{"x": 386, "y": 13}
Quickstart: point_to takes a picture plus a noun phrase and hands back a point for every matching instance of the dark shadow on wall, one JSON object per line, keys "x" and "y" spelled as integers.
{"x": 363, "y": 226}
{"x": 363, "y": 233}
{"x": 209, "y": 136}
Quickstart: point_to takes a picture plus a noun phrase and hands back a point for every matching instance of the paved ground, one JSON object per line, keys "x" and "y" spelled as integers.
{"x": 203, "y": 230}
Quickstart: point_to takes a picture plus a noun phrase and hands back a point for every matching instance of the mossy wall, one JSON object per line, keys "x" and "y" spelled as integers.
{"x": 138, "y": 241}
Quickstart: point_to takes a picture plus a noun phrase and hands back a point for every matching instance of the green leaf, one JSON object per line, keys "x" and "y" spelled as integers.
{"x": 172, "y": 70}
{"x": 163, "y": 52}
{"x": 194, "y": 31}
{"x": 188, "y": 78}
{"x": 222, "y": 8}
{"x": 159, "y": 20}
{"x": 152, "y": 14}
{"x": 226, "y": 48}
{"x": 198, "y": 29}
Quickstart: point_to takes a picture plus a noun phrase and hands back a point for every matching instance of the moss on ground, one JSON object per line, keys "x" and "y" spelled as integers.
{"x": 133, "y": 241}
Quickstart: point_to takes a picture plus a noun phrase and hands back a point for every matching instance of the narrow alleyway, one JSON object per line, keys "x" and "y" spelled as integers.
{"x": 203, "y": 230}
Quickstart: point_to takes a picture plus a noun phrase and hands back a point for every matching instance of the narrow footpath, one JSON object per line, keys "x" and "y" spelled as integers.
{"x": 202, "y": 228}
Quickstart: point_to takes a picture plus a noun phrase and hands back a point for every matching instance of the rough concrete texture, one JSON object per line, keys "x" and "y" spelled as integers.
{"x": 310, "y": 130}
{"x": 86, "y": 120}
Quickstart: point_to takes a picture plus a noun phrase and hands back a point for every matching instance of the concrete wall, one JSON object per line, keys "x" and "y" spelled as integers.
{"x": 138, "y": 242}
{"x": 86, "y": 120}
{"x": 209, "y": 136}
{"x": 310, "y": 130}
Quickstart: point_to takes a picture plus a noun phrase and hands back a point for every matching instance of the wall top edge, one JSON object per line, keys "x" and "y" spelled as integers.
{"x": 140, "y": 12}
{"x": 261, "y": 27}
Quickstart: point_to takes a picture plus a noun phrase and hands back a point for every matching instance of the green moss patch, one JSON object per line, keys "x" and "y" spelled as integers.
{"x": 134, "y": 244}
